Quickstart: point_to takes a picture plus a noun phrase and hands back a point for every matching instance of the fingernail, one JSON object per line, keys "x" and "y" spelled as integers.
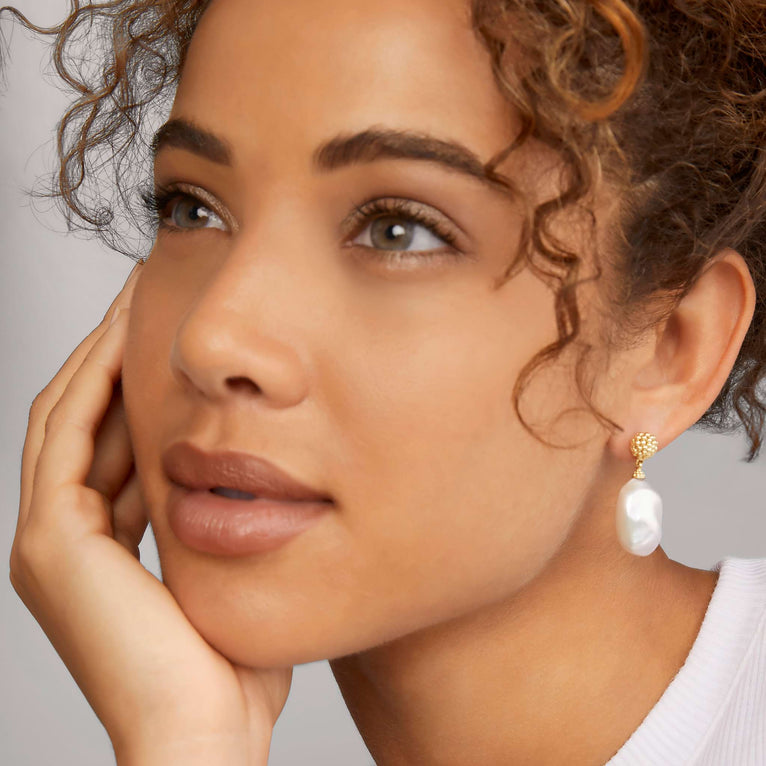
{"x": 114, "y": 316}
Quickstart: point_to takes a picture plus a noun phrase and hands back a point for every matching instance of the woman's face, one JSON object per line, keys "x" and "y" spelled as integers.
{"x": 370, "y": 358}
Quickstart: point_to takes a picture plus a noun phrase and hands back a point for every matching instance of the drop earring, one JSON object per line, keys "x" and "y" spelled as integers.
{"x": 639, "y": 507}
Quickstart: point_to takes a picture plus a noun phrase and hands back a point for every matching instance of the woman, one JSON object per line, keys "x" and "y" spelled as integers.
{"x": 431, "y": 280}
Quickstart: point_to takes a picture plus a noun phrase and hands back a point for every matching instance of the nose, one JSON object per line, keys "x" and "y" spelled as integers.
{"x": 228, "y": 343}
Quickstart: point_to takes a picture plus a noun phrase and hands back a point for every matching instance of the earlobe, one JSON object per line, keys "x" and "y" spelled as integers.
{"x": 681, "y": 372}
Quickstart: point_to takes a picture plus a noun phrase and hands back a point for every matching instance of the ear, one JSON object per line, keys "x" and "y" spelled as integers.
{"x": 672, "y": 378}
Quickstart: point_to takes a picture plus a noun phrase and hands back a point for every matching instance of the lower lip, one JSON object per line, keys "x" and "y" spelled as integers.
{"x": 215, "y": 524}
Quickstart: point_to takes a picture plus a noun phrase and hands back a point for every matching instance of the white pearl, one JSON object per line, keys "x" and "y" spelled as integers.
{"x": 639, "y": 517}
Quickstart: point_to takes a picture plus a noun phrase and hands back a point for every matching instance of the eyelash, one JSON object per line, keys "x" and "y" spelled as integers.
{"x": 157, "y": 201}
{"x": 401, "y": 208}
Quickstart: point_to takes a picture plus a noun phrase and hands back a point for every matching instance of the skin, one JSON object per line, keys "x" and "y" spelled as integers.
{"x": 468, "y": 588}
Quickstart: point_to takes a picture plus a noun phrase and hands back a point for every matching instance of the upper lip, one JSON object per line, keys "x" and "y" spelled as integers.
{"x": 194, "y": 468}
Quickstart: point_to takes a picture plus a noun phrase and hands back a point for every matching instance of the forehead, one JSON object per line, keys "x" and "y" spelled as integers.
{"x": 293, "y": 72}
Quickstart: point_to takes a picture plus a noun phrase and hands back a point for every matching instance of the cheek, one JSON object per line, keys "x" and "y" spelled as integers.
{"x": 145, "y": 370}
{"x": 445, "y": 501}
{"x": 445, "y": 490}
{"x": 146, "y": 381}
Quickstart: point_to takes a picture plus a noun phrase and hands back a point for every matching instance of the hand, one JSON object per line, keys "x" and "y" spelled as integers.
{"x": 162, "y": 692}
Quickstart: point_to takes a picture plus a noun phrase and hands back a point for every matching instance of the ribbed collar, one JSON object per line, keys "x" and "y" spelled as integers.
{"x": 678, "y": 725}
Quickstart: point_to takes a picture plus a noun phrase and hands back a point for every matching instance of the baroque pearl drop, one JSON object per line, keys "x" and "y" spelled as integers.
{"x": 639, "y": 517}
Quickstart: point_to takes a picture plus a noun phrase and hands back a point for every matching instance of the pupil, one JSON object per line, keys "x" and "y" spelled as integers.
{"x": 391, "y": 232}
{"x": 189, "y": 212}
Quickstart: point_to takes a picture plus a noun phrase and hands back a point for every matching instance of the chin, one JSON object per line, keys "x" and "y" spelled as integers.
{"x": 253, "y": 621}
{"x": 267, "y": 639}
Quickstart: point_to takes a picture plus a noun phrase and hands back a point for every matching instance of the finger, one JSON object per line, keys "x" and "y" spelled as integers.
{"x": 118, "y": 629}
{"x": 113, "y": 451}
{"x": 129, "y": 513}
{"x": 67, "y": 451}
{"x": 47, "y": 398}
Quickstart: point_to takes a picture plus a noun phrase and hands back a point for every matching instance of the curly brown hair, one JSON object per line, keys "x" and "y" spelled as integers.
{"x": 665, "y": 97}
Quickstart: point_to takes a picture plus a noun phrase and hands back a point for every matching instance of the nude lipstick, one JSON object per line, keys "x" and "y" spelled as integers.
{"x": 235, "y": 504}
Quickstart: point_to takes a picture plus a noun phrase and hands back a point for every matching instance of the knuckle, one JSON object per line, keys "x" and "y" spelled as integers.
{"x": 40, "y": 405}
{"x": 21, "y": 554}
{"x": 58, "y": 417}
{"x": 53, "y": 420}
{"x": 13, "y": 567}
{"x": 21, "y": 564}
{"x": 30, "y": 555}
{"x": 15, "y": 584}
{"x": 15, "y": 575}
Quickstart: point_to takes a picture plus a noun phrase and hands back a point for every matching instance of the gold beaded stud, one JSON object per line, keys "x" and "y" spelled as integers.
{"x": 642, "y": 446}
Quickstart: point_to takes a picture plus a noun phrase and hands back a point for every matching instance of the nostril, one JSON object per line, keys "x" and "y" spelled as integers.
{"x": 243, "y": 383}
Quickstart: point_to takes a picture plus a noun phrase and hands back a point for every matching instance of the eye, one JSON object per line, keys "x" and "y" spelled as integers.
{"x": 185, "y": 212}
{"x": 178, "y": 210}
{"x": 398, "y": 233}
{"x": 402, "y": 226}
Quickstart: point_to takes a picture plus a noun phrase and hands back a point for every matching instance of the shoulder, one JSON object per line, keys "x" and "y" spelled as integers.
{"x": 737, "y": 640}
{"x": 713, "y": 713}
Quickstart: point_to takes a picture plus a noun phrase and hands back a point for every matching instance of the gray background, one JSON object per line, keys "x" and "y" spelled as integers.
{"x": 54, "y": 290}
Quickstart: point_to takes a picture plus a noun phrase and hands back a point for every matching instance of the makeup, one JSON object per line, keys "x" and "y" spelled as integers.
{"x": 234, "y": 503}
{"x": 211, "y": 523}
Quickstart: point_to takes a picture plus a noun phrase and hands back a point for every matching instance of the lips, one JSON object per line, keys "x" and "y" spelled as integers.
{"x": 193, "y": 468}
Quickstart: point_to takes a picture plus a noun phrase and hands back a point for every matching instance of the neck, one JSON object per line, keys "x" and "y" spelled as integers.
{"x": 562, "y": 671}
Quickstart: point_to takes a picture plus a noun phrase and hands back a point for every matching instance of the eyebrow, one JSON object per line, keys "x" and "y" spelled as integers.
{"x": 184, "y": 134}
{"x": 341, "y": 151}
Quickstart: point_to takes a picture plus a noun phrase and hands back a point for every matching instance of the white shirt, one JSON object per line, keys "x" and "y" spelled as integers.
{"x": 713, "y": 712}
